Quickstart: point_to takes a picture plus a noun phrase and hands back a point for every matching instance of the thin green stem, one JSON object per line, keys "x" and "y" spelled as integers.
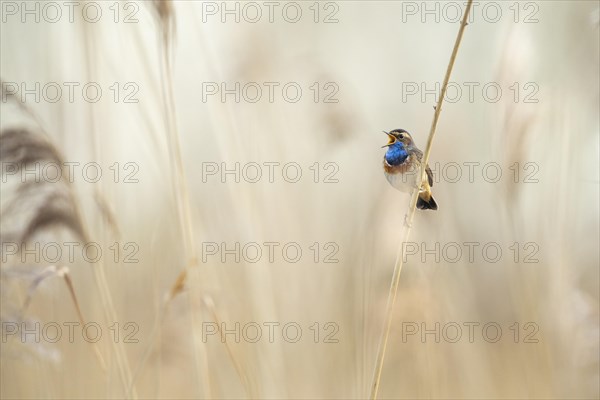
{"x": 411, "y": 213}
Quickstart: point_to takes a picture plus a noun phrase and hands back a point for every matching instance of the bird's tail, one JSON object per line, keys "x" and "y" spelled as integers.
{"x": 426, "y": 201}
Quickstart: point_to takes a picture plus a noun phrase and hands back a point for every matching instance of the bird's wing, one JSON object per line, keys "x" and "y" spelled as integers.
{"x": 419, "y": 155}
{"x": 429, "y": 175}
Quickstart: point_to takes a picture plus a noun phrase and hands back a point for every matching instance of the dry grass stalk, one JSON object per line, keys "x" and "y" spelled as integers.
{"x": 177, "y": 288}
{"x": 166, "y": 22}
{"x": 54, "y": 203}
{"x": 99, "y": 269}
{"x": 49, "y": 204}
{"x": 61, "y": 272}
{"x": 248, "y": 387}
{"x": 411, "y": 212}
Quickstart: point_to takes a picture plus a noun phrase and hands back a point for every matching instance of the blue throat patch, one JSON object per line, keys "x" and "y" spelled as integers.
{"x": 396, "y": 154}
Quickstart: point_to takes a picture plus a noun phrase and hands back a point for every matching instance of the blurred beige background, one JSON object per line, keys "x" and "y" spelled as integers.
{"x": 544, "y": 56}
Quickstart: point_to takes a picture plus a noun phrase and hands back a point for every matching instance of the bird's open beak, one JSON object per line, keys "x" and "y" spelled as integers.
{"x": 391, "y": 138}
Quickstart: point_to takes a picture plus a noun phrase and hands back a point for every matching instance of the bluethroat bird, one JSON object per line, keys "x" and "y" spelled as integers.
{"x": 402, "y": 166}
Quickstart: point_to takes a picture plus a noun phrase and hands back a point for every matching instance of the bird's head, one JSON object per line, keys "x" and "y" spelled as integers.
{"x": 399, "y": 137}
{"x": 398, "y": 147}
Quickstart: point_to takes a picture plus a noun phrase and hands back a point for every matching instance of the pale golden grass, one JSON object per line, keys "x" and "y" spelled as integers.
{"x": 170, "y": 212}
{"x": 56, "y": 205}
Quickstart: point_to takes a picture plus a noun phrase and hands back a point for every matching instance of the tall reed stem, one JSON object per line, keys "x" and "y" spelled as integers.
{"x": 182, "y": 198}
{"x": 99, "y": 268}
{"x": 411, "y": 213}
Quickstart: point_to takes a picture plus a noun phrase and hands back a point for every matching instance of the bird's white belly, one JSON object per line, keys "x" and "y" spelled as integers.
{"x": 405, "y": 182}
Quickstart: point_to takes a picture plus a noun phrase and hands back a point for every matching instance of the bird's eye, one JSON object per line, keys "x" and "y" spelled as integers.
{"x": 400, "y": 136}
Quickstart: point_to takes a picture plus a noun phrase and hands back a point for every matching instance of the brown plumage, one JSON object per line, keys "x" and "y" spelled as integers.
{"x": 404, "y": 176}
